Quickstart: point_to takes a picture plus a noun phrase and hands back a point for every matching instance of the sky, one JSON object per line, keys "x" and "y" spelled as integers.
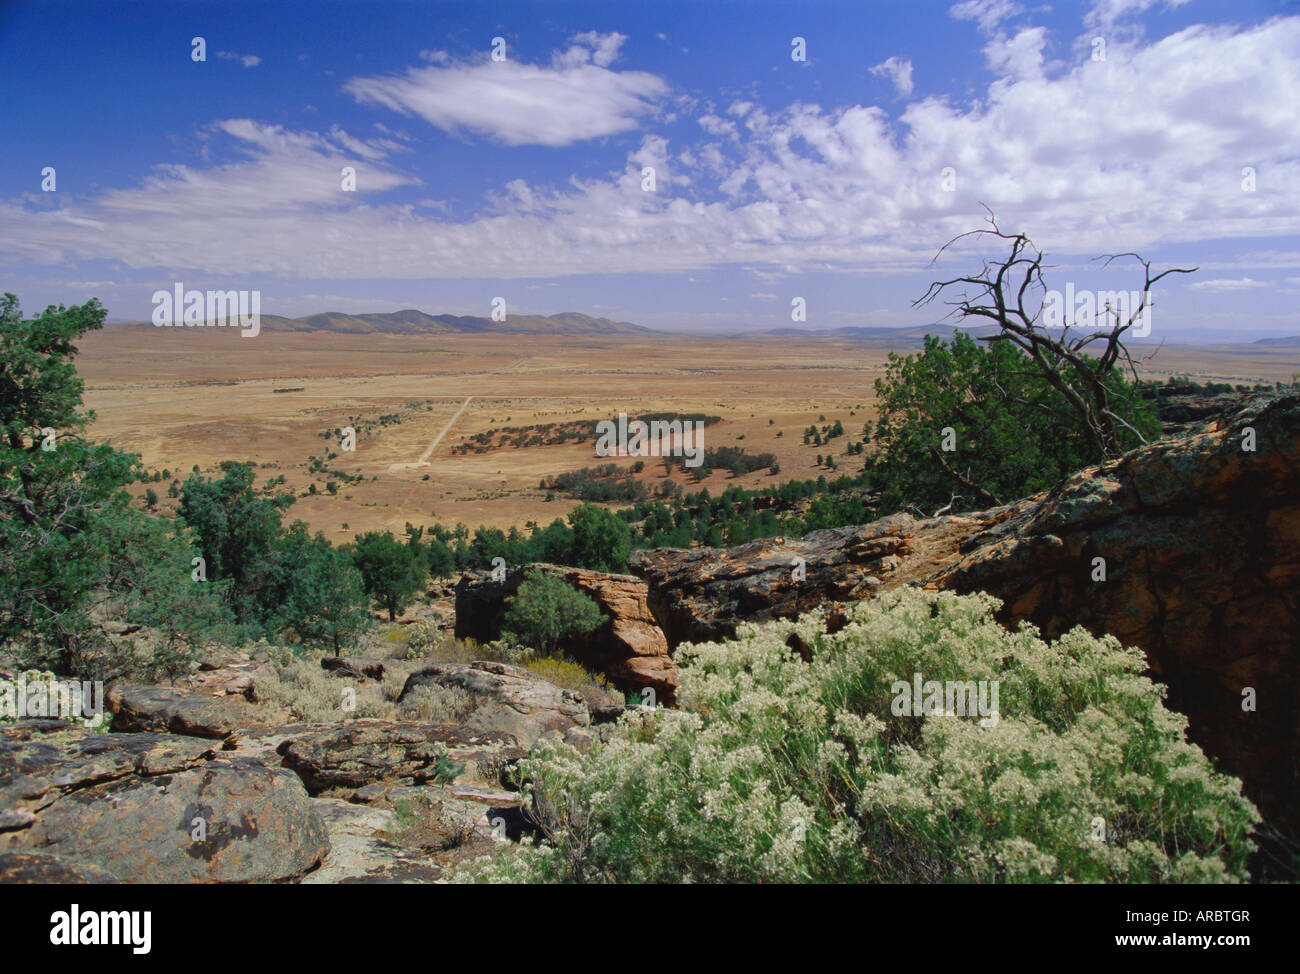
{"x": 814, "y": 151}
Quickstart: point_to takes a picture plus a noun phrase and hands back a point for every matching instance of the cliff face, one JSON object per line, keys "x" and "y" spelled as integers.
{"x": 1188, "y": 549}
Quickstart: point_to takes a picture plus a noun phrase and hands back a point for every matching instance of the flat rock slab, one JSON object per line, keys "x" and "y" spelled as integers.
{"x": 43, "y": 869}
{"x": 141, "y": 708}
{"x": 493, "y": 797}
{"x": 363, "y": 752}
{"x": 361, "y": 850}
{"x": 507, "y": 699}
{"x": 228, "y": 821}
{"x": 37, "y": 768}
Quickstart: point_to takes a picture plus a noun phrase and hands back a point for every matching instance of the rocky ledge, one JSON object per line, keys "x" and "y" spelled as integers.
{"x": 1188, "y": 548}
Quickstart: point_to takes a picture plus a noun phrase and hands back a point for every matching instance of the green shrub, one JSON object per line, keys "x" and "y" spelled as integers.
{"x": 785, "y": 771}
{"x": 1012, "y": 434}
{"x": 545, "y": 609}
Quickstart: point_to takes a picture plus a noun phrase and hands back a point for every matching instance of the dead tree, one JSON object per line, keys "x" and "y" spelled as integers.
{"x": 1011, "y": 292}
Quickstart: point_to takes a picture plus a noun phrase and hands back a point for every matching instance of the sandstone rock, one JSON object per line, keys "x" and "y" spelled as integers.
{"x": 44, "y": 869}
{"x": 606, "y": 713}
{"x": 361, "y": 850}
{"x": 141, "y": 708}
{"x": 362, "y": 752}
{"x": 127, "y": 804}
{"x": 38, "y": 767}
{"x": 629, "y": 648}
{"x": 492, "y": 797}
{"x": 507, "y": 699}
{"x": 1201, "y": 542}
{"x": 226, "y": 673}
{"x": 702, "y": 593}
{"x": 356, "y": 667}
{"x": 259, "y": 826}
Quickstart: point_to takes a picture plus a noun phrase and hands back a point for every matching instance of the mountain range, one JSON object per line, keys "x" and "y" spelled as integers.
{"x": 412, "y": 322}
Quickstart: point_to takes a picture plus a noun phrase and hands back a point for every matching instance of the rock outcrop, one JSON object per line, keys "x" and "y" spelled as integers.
{"x": 507, "y": 699}
{"x": 141, "y": 708}
{"x": 354, "y": 667}
{"x": 362, "y": 752}
{"x": 152, "y": 808}
{"x": 628, "y": 648}
{"x": 40, "y": 868}
{"x": 1197, "y": 539}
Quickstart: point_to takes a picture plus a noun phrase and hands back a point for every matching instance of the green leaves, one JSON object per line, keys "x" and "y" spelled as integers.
{"x": 39, "y": 386}
{"x": 1011, "y": 434}
{"x": 545, "y": 609}
{"x": 601, "y": 540}
{"x": 237, "y": 527}
{"x": 390, "y": 570}
{"x": 325, "y": 602}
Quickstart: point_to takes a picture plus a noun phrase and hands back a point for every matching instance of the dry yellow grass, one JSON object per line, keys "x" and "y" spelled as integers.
{"x": 187, "y": 397}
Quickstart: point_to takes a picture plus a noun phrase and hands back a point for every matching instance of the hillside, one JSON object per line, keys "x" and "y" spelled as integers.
{"x": 1290, "y": 341}
{"x": 413, "y": 322}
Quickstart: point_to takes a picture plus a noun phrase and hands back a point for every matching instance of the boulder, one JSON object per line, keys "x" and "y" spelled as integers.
{"x": 362, "y": 752}
{"x": 356, "y": 667}
{"x": 702, "y": 594}
{"x": 1201, "y": 546}
{"x": 151, "y": 808}
{"x": 507, "y": 699}
{"x": 37, "y": 767}
{"x": 629, "y": 648}
{"x": 226, "y": 673}
{"x": 143, "y": 708}
{"x": 41, "y": 868}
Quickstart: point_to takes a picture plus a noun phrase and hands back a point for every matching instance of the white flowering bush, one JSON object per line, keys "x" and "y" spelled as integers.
{"x": 779, "y": 770}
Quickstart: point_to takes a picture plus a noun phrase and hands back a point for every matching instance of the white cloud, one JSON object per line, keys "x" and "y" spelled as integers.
{"x": 604, "y": 47}
{"x": 1138, "y": 152}
{"x": 1104, "y": 14}
{"x": 1019, "y": 57}
{"x": 899, "y": 71}
{"x": 1229, "y": 284}
{"x": 717, "y": 126}
{"x": 216, "y": 218}
{"x": 987, "y": 13}
{"x": 574, "y": 99}
{"x": 247, "y": 60}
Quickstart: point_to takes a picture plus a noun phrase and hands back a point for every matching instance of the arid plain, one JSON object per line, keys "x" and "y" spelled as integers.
{"x": 181, "y": 398}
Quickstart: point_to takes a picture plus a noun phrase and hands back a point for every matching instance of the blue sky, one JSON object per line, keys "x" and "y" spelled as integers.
{"x": 775, "y": 178}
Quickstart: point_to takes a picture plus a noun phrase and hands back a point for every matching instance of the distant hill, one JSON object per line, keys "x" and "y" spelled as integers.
{"x": 1292, "y": 341}
{"x": 412, "y": 322}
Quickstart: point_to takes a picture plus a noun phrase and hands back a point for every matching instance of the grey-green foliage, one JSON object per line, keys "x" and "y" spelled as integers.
{"x": 779, "y": 770}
